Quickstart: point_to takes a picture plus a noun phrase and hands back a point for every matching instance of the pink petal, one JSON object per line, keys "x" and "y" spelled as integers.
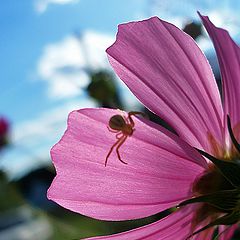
{"x": 228, "y": 54}
{"x": 228, "y": 232}
{"x": 167, "y": 71}
{"x": 206, "y": 235}
{"x": 175, "y": 226}
{"x": 160, "y": 171}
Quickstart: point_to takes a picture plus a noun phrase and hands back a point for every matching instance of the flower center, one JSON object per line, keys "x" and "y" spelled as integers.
{"x": 217, "y": 190}
{"x": 211, "y": 181}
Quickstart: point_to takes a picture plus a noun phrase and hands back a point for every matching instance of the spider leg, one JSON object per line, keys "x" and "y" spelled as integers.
{"x": 111, "y": 149}
{"x": 133, "y": 113}
{"x": 131, "y": 120}
{"x": 126, "y": 119}
{"x": 122, "y": 140}
{"x": 119, "y": 135}
{"x": 118, "y": 143}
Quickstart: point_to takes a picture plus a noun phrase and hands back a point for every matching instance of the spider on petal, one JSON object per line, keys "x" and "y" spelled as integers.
{"x": 123, "y": 127}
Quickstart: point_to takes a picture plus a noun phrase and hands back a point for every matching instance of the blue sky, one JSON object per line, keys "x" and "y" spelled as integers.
{"x": 25, "y": 32}
{"x": 39, "y": 36}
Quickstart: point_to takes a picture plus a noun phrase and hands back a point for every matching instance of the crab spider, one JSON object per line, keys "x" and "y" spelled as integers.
{"x": 123, "y": 127}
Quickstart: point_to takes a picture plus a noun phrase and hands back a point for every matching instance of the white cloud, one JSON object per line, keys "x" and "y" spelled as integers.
{"x": 31, "y": 140}
{"x": 222, "y": 13}
{"x": 64, "y": 64}
{"x": 42, "y": 5}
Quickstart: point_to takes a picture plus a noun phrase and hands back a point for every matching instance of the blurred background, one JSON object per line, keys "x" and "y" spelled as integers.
{"x": 53, "y": 61}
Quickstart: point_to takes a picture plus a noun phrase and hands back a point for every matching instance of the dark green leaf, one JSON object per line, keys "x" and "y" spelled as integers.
{"x": 234, "y": 140}
{"x": 225, "y": 200}
{"x": 230, "y": 170}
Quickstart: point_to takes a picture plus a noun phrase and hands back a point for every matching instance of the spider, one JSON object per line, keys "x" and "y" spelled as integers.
{"x": 123, "y": 127}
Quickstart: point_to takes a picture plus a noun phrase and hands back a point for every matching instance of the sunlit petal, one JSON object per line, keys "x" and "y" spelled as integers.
{"x": 167, "y": 71}
{"x": 159, "y": 173}
{"x": 175, "y": 226}
{"x": 228, "y": 54}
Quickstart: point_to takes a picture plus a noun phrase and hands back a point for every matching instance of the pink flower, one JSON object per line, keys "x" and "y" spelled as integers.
{"x": 169, "y": 74}
{"x": 4, "y": 129}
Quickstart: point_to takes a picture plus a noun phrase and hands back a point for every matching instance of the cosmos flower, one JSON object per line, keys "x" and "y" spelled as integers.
{"x": 194, "y": 170}
{"x": 4, "y": 129}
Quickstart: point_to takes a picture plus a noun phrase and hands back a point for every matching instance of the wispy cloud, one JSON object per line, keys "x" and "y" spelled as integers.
{"x": 31, "y": 140}
{"x": 64, "y": 65}
{"x": 42, "y": 5}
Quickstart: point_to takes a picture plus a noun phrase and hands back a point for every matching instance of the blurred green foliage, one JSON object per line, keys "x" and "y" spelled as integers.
{"x": 9, "y": 196}
{"x": 104, "y": 90}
